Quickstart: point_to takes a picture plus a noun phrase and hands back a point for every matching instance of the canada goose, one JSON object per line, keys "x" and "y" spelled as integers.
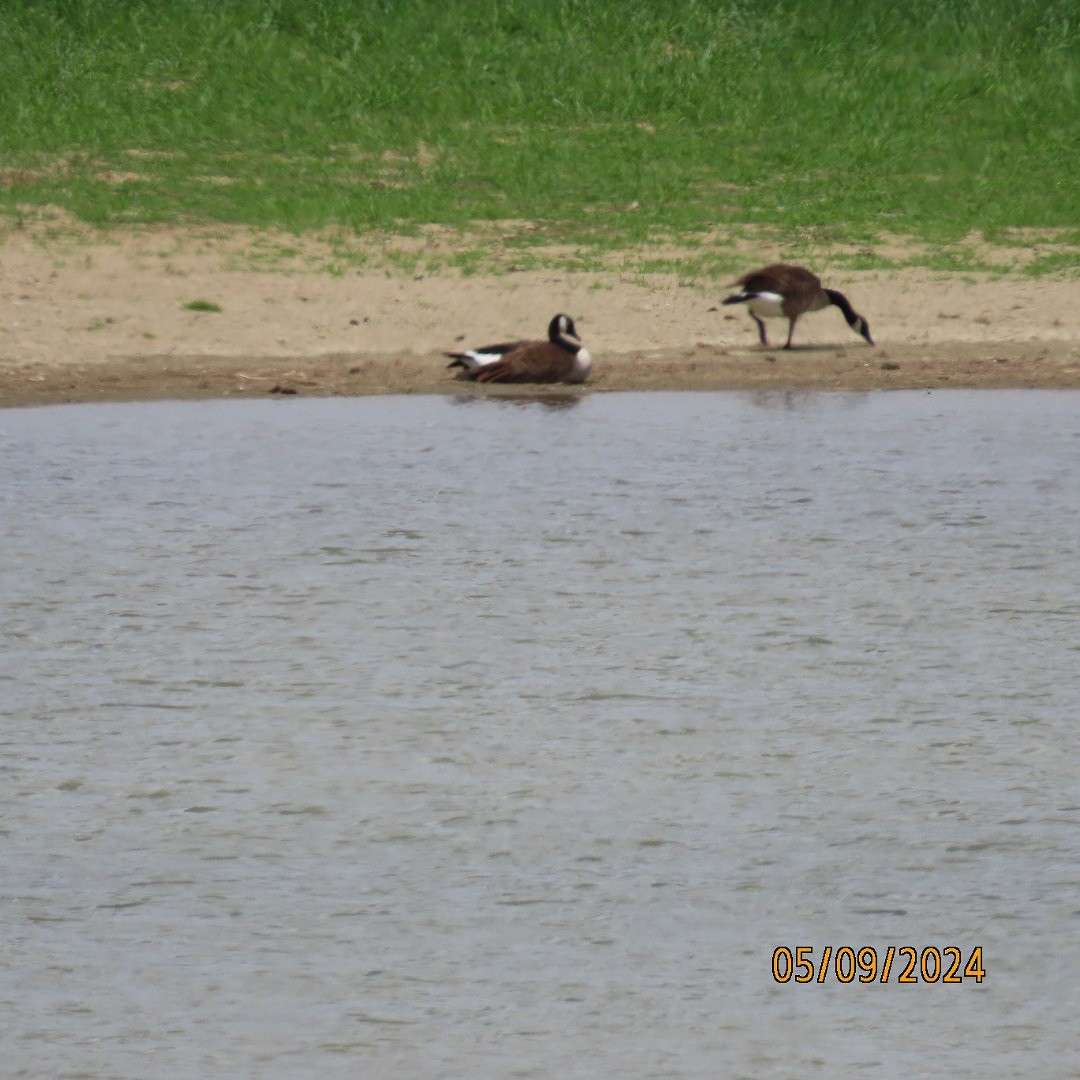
{"x": 790, "y": 291}
{"x": 562, "y": 358}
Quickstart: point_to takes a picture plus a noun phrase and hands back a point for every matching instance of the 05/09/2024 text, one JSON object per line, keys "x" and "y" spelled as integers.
{"x": 907, "y": 963}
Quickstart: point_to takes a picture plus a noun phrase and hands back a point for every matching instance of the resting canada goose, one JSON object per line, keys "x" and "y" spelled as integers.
{"x": 790, "y": 291}
{"x": 562, "y": 358}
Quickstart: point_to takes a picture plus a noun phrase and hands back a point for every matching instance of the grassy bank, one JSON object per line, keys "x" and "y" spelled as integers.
{"x": 600, "y": 124}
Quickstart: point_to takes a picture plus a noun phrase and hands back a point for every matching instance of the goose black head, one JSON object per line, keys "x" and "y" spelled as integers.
{"x": 562, "y": 328}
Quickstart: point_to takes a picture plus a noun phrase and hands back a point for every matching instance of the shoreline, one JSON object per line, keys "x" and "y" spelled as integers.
{"x": 993, "y": 365}
{"x": 174, "y": 313}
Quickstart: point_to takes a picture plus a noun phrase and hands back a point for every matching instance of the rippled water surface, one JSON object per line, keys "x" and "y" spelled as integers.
{"x": 423, "y": 738}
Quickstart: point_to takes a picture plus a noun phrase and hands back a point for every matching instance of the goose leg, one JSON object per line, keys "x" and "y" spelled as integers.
{"x": 791, "y": 330}
{"x": 760, "y": 328}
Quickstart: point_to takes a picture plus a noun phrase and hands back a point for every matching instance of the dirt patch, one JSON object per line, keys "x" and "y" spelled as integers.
{"x": 92, "y": 320}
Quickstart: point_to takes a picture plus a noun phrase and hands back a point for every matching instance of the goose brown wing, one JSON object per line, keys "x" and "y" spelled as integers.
{"x": 780, "y": 278}
{"x": 501, "y": 349}
{"x": 530, "y": 362}
{"x": 755, "y": 281}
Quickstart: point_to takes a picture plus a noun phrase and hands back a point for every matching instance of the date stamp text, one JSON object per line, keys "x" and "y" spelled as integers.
{"x": 903, "y": 964}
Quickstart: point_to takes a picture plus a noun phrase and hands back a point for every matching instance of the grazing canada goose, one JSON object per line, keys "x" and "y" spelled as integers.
{"x": 562, "y": 358}
{"x": 790, "y": 291}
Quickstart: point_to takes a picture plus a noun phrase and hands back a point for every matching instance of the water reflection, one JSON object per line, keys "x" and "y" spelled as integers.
{"x": 551, "y": 399}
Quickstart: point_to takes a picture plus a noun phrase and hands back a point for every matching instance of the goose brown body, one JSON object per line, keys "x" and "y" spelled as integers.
{"x": 562, "y": 358}
{"x": 791, "y": 291}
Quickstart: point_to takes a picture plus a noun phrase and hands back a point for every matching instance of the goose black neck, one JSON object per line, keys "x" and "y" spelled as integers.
{"x": 841, "y": 301}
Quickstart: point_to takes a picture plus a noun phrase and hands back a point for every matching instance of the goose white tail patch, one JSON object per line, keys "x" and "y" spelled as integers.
{"x": 767, "y": 305}
{"x": 474, "y": 359}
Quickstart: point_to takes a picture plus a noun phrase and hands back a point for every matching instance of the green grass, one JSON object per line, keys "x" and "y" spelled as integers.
{"x": 607, "y": 125}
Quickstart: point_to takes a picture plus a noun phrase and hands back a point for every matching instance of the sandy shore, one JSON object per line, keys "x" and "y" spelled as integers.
{"x": 99, "y": 321}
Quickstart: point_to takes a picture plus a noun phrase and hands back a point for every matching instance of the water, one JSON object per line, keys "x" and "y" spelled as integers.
{"x": 426, "y": 738}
